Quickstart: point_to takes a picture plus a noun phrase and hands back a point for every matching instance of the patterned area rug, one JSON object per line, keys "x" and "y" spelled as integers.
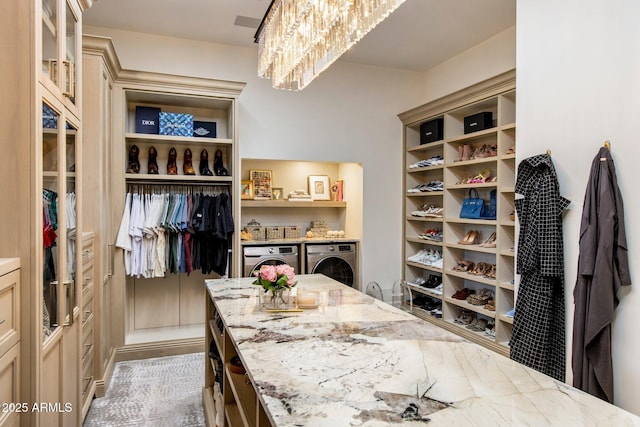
{"x": 164, "y": 391}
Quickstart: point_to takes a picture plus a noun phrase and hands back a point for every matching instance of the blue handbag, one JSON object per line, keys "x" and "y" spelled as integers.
{"x": 493, "y": 205}
{"x": 473, "y": 207}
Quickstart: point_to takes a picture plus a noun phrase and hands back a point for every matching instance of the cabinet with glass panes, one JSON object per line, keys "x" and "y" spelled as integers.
{"x": 41, "y": 114}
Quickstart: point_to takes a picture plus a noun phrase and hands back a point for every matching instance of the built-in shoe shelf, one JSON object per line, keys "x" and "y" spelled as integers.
{"x": 497, "y": 96}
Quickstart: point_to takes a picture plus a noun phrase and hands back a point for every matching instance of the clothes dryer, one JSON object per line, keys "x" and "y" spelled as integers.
{"x": 256, "y": 256}
{"x": 335, "y": 260}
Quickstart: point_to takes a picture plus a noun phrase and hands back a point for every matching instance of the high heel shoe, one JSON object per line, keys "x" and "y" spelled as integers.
{"x": 470, "y": 238}
{"x": 152, "y": 164}
{"x": 204, "y": 164}
{"x": 172, "y": 166}
{"x": 490, "y": 242}
{"x": 134, "y": 163}
{"x": 187, "y": 165}
{"x": 481, "y": 178}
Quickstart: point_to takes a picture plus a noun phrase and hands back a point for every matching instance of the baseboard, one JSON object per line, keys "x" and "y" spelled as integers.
{"x": 160, "y": 349}
{"x": 103, "y": 383}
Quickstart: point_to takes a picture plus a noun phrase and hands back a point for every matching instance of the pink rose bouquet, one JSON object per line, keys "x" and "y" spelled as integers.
{"x": 273, "y": 277}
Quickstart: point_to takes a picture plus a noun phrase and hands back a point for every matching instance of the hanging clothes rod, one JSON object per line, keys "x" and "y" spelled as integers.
{"x": 179, "y": 183}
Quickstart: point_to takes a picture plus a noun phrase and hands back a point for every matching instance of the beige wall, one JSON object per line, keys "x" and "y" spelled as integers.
{"x": 349, "y": 114}
{"x": 577, "y": 77}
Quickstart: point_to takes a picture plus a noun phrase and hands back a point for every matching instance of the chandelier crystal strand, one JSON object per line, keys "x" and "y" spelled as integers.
{"x": 301, "y": 38}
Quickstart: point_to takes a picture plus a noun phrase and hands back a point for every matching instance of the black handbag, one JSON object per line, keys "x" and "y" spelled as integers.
{"x": 473, "y": 207}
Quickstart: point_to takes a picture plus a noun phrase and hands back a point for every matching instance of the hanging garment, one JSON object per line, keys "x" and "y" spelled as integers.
{"x": 603, "y": 267}
{"x": 538, "y": 338}
{"x": 123, "y": 240}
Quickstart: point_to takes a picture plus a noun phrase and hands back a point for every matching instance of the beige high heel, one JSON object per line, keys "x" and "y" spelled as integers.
{"x": 490, "y": 242}
{"x": 470, "y": 238}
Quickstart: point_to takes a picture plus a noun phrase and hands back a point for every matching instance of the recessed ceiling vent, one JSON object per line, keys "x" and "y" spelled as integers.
{"x": 245, "y": 21}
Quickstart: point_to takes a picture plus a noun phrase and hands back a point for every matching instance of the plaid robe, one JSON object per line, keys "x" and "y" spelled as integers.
{"x": 538, "y": 338}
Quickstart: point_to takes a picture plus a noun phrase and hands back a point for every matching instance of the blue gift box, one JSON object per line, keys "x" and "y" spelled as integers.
{"x": 204, "y": 129}
{"x": 49, "y": 117}
{"x": 176, "y": 124}
{"x": 147, "y": 120}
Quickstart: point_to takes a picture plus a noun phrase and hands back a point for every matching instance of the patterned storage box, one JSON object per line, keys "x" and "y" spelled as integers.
{"x": 49, "y": 117}
{"x": 176, "y": 124}
{"x": 275, "y": 233}
{"x": 292, "y": 232}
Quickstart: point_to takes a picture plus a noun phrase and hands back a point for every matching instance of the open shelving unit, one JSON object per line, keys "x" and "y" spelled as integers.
{"x": 498, "y": 96}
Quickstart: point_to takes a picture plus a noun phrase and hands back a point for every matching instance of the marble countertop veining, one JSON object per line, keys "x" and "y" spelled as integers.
{"x": 356, "y": 361}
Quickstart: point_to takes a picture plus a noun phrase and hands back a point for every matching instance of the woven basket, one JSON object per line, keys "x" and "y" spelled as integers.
{"x": 274, "y": 233}
{"x": 258, "y": 233}
{"x": 292, "y": 232}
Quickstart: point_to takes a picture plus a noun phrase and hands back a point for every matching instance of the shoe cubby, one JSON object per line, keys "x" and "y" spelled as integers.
{"x": 489, "y": 155}
{"x": 203, "y": 109}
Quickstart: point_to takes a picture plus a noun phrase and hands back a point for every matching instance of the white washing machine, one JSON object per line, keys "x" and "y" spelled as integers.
{"x": 336, "y": 260}
{"x": 256, "y": 256}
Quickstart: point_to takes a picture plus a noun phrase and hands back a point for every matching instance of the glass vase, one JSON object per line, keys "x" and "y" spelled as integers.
{"x": 276, "y": 299}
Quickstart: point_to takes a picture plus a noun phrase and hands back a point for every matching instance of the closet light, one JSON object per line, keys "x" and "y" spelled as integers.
{"x": 298, "y": 39}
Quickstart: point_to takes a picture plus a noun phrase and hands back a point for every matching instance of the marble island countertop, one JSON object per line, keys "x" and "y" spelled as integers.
{"x": 356, "y": 361}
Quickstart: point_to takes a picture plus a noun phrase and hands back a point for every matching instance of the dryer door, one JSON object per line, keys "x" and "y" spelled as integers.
{"x": 336, "y": 268}
{"x": 269, "y": 261}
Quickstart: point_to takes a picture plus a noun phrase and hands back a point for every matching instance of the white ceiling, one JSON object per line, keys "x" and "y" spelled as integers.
{"x": 417, "y": 36}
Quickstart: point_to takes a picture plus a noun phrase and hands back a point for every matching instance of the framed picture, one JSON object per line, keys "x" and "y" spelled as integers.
{"x": 246, "y": 189}
{"x": 319, "y": 187}
{"x": 262, "y": 181}
{"x": 276, "y": 193}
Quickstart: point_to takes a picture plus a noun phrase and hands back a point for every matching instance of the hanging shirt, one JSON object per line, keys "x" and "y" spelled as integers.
{"x": 123, "y": 240}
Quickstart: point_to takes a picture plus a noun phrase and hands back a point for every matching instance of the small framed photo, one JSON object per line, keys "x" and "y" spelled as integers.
{"x": 246, "y": 190}
{"x": 262, "y": 181}
{"x": 319, "y": 187}
{"x": 276, "y": 193}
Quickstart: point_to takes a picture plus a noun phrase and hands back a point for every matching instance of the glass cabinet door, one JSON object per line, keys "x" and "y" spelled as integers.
{"x": 72, "y": 239}
{"x": 69, "y": 85}
{"x": 50, "y": 40}
{"x": 51, "y": 309}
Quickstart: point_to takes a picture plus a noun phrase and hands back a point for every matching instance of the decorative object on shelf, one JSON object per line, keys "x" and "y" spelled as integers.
{"x": 299, "y": 196}
{"x": 134, "y": 163}
{"x": 276, "y": 193}
{"x": 204, "y": 163}
{"x": 277, "y": 280}
{"x": 319, "y": 187}
{"x": 218, "y": 167}
{"x": 152, "y": 164}
{"x": 432, "y": 131}
{"x": 172, "y": 163}
{"x": 147, "y": 120}
{"x": 262, "y": 181}
{"x": 478, "y": 121}
{"x": 246, "y": 189}
{"x": 204, "y": 129}
{"x": 323, "y": 30}
{"x": 187, "y": 165}
{"x": 176, "y": 124}
{"x": 473, "y": 207}
{"x": 337, "y": 190}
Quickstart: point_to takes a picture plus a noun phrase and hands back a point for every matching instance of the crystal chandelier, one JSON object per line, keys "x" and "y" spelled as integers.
{"x": 298, "y": 39}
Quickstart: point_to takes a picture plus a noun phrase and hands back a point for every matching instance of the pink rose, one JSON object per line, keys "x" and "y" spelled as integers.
{"x": 268, "y": 272}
